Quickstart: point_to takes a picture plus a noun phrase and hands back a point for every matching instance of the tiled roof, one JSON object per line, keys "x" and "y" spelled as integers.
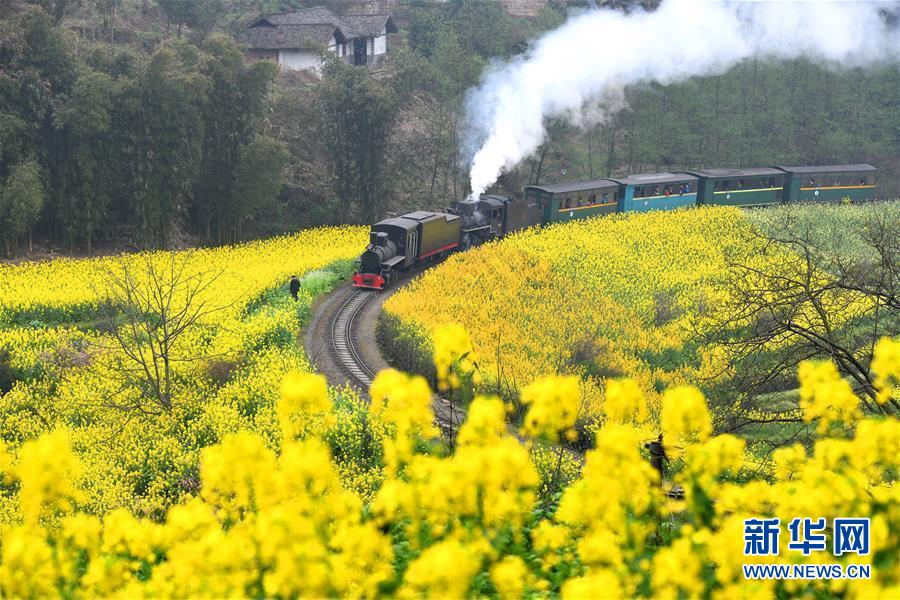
{"x": 306, "y": 16}
{"x": 366, "y": 25}
{"x": 274, "y": 37}
{"x": 350, "y": 26}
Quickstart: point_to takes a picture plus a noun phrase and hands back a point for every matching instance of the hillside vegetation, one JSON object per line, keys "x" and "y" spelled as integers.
{"x": 136, "y": 124}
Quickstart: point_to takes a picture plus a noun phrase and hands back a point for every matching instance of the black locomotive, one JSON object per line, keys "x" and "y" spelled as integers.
{"x": 398, "y": 244}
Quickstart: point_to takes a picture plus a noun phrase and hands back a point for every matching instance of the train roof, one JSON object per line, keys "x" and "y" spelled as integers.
{"x": 645, "y": 178}
{"x": 574, "y": 186}
{"x": 828, "y": 168}
{"x": 402, "y": 222}
{"x": 427, "y": 215}
{"x": 735, "y": 172}
{"x": 411, "y": 220}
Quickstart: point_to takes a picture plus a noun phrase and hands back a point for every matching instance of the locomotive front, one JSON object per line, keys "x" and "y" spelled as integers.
{"x": 380, "y": 250}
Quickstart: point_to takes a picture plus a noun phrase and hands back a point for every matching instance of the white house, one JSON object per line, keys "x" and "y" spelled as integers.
{"x": 300, "y": 40}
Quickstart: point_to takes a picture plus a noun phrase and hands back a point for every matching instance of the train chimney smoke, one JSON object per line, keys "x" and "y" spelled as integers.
{"x": 586, "y": 63}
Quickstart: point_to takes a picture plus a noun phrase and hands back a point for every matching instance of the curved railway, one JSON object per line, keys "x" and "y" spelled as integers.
{"x": 341, "y": 344}
{"x": 344, "y": 338}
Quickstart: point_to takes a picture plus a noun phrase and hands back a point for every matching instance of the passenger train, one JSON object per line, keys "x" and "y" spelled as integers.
{"x": 401, "y": 243}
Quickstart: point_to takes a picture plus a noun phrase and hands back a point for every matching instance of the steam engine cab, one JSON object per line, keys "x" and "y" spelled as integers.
{"x": 399, "y": 243}
{"x": 492, "y": 216}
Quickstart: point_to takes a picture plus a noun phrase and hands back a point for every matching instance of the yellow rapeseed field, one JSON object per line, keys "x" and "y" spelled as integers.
{"x": 68, "y": 369}
{"x": 600, "y": 297}
{"x": 261, "y": 481}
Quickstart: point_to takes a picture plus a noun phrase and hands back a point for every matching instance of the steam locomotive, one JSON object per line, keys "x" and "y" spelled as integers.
{"x": 399, "y": 244}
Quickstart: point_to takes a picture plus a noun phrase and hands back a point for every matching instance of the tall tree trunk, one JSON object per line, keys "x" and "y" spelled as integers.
{"x": 536, "y": 180}
{"x": 611, "y": 153}
{"x": 716, "y": 120}
{"x": 590, "y": 154}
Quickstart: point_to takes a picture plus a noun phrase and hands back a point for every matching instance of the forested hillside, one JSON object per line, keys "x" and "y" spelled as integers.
{"x": 137, "y": 123}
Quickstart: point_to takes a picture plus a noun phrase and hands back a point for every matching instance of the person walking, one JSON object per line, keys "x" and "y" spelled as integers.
{"x": 295, "y": 287}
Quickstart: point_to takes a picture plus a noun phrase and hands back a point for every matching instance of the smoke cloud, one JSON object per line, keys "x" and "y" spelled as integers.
{"x": 593, "y": 56}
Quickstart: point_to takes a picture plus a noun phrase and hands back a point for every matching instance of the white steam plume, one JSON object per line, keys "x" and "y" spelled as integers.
{"x": 594, "y": 55}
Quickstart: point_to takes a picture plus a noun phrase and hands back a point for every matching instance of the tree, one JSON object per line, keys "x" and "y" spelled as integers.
{"x": 55, "y": 8}
{"x": 232, "y": 112}
{"x": 87, "y": 166}
{"x": 163, "y": 140}
{"x": 357, "y": 111}
{"x": 200, "y": 15}
{"x": 809, "y": 293}
{"x": 259, "y": 178}
{"x": 21, "y": 200}
{"x": 151, "y": 308}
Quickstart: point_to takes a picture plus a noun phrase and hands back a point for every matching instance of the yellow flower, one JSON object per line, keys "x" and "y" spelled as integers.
{"x": 685, "y": 417}
{"x": 553, "y": 404}
{"x": 453, "y": 354}
{"x": 485, "y": 422}
{"x": 886, "y": 367}
{"x": 825, "y": 396}
{"x": 599, "y": 583}
{"x": 788, "y": 460}
{"x": 510, "y": 577}
{"x": 443, "y": 570}
{"x": 676, "y": 570}
{"x": 302, "y": 395}
{"x": 47, "y": 470}
{"x": 624, "y": 402}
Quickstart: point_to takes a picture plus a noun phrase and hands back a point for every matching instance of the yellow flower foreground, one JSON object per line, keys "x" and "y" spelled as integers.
{"x": 279, "y": 523}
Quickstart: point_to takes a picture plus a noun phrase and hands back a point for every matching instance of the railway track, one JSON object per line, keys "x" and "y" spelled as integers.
{"x": 343, "y": 339}
{"x": 346, "y": 331}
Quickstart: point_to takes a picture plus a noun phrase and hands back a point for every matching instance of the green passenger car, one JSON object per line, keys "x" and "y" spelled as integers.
{"x": 658, "y": 191}
{"x": 830, "y": 183}
{"x": 740, "y": 187}
{"x": 576, "y": 200}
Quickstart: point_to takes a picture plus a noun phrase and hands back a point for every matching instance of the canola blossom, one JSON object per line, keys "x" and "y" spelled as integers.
{"x": 628, "y": 295}
{"x": 599, "y": 298}
{"x": 463, "y": 521}
{"x": 60, "y": 366}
